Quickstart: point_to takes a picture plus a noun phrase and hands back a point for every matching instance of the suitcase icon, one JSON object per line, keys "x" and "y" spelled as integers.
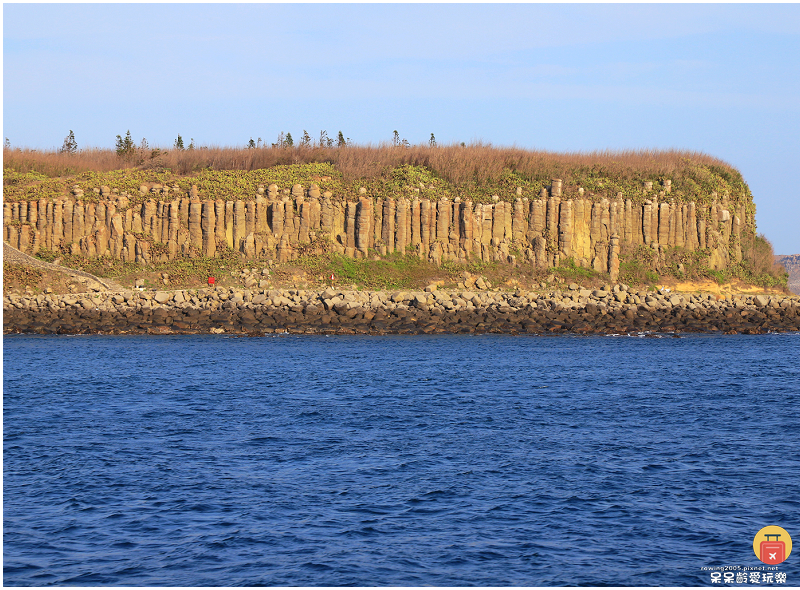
{"x": 772, "y": 552}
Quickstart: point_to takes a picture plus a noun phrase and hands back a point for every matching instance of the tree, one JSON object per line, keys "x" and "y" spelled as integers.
{"x": 342, "y": 142}
{"x": 251, "y": 145}
{"x": 289, "y": 140}
{"x": 433, "y": 140}
{"x": 7, "y": 144}
{"x": 179, "y": 142}
{"x": 191, "y": 145}
{"x": 70, "y": 146}
{"x": 396, "y": 138}
{"x": 144, "y": 146}
{"x": 125, "y": 147}
{"x": 306, "y": 141}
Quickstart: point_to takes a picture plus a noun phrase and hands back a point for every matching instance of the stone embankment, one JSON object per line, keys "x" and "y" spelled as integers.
{"x": 616, "y": 309}
{"x": 539, "y": 229}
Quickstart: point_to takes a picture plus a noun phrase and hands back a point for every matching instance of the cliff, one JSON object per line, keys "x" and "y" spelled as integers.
{"x": 791, "y": 262}
{"x": 162, "y": 222}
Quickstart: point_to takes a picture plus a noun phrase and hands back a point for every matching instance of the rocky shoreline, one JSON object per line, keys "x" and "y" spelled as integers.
{"x": 613, "y": 309}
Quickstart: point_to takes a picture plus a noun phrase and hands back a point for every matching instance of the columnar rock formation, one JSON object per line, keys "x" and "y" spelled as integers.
{"x": 542, "y": 231}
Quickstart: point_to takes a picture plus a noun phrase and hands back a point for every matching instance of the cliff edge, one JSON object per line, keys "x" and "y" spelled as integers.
{"x": 791, "y": 262}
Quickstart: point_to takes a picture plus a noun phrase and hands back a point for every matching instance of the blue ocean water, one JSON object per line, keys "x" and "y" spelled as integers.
{"x": 422, "y": 460}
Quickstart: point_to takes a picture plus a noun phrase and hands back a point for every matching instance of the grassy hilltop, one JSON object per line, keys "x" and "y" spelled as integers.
{"x": 472, "y": 172}
{"x": 475, "y": 172}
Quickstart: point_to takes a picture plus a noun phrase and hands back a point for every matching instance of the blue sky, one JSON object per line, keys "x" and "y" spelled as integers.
{"x": 718, "y": 78}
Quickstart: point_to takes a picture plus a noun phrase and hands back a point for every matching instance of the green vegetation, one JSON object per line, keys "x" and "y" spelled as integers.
{"x": 475, "y": 172}
{"x": 20, "y": 274}
{"x": 398, "y": 271}
{"x": 570, "y": 271}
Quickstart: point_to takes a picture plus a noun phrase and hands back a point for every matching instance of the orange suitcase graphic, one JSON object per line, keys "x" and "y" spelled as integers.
{"x": 773, "y": 552}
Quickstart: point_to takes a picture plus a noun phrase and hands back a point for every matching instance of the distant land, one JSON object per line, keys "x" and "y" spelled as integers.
{"x": 791, "y": 262}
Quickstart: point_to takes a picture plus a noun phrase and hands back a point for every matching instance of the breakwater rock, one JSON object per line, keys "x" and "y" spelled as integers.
{"x": 616, "y": 309}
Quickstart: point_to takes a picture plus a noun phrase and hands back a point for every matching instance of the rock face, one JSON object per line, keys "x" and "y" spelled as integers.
{"x": 544, "y": 231}
{"x": 791, "y": 262}
{"x": 577, "y": 311}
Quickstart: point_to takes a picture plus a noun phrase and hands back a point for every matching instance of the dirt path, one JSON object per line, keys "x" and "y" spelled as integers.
{"x": 14, "y": 256}
{"x": 735, "y": 287}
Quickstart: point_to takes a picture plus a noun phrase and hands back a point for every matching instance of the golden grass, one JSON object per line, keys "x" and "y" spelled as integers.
{"x": 476, "y": 163}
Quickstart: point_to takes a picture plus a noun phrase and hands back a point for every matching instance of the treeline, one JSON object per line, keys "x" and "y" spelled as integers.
{"x": 460, "y": 164}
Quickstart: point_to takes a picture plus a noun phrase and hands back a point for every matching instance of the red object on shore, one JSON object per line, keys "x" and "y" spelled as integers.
{"x": 211, "y": 281}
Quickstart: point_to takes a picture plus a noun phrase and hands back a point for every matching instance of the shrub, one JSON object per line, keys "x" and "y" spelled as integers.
{"x": 125, "y": 148}
{"x": 70, "y": 146}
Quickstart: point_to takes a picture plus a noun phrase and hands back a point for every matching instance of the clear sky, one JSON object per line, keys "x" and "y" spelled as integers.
{"x": 717, "y": 78}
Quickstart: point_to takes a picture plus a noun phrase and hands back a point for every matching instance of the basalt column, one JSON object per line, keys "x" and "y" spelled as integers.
{"x": 117, "y": 232}
{"x": 416, "y": 223}
{"x": 425, "y": 226}
{"x": 261, "y": 215}
{"x": 582, "y": 242}
{"x": 249, "y": 217}
{"x": 174, "y": 228}
{"x": 183, "y": 207}
{"x": 498, "y": 223}
{"x": 663, "y": 224}
{"x": 680, "y": 229}
{"x": 208, "y": 227}
{"x": 195, "y": 227}
{"x": 627, "y": 226}
{"x": 149, "y": 211}
{"x": 401, "y": 225}
{"x": 239, "y": 225}
{"x": 389, "y": 220}
{"x": 599, "y": 246}
{"x": 219, "y": 220}
{"x": 67, "y": 218}
{"x": 363, "y": 218}
{"x": 77, "y": 221}
{"x": 565, "y": 229}
{"x": 229, "y": 224}
{"x": 455, "y": 228}
{"x": 647, "y": 212}
{"x": 162, "y": 224}
{"x": 443, "y": 214}
{"x": 467, "y": 228}
{"x": 305, "y": 222}
{"x": 326, "y": 214}
{"x": 350, "y": 229}
{"x": 613, "y": 258}
{"x": 277, "y": 218}
{"x": 519, "y": 225}
{"x": 59, "y": 231}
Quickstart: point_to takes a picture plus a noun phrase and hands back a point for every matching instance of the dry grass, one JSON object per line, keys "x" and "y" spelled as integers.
{"x": 758, "y": 253}
{"x": 473, "y": 164}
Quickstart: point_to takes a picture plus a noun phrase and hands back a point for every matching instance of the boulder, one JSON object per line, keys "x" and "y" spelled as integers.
{"x": 163, "y": 296}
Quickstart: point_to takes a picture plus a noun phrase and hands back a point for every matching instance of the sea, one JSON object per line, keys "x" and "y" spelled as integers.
{"x": 450, "y": 460}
